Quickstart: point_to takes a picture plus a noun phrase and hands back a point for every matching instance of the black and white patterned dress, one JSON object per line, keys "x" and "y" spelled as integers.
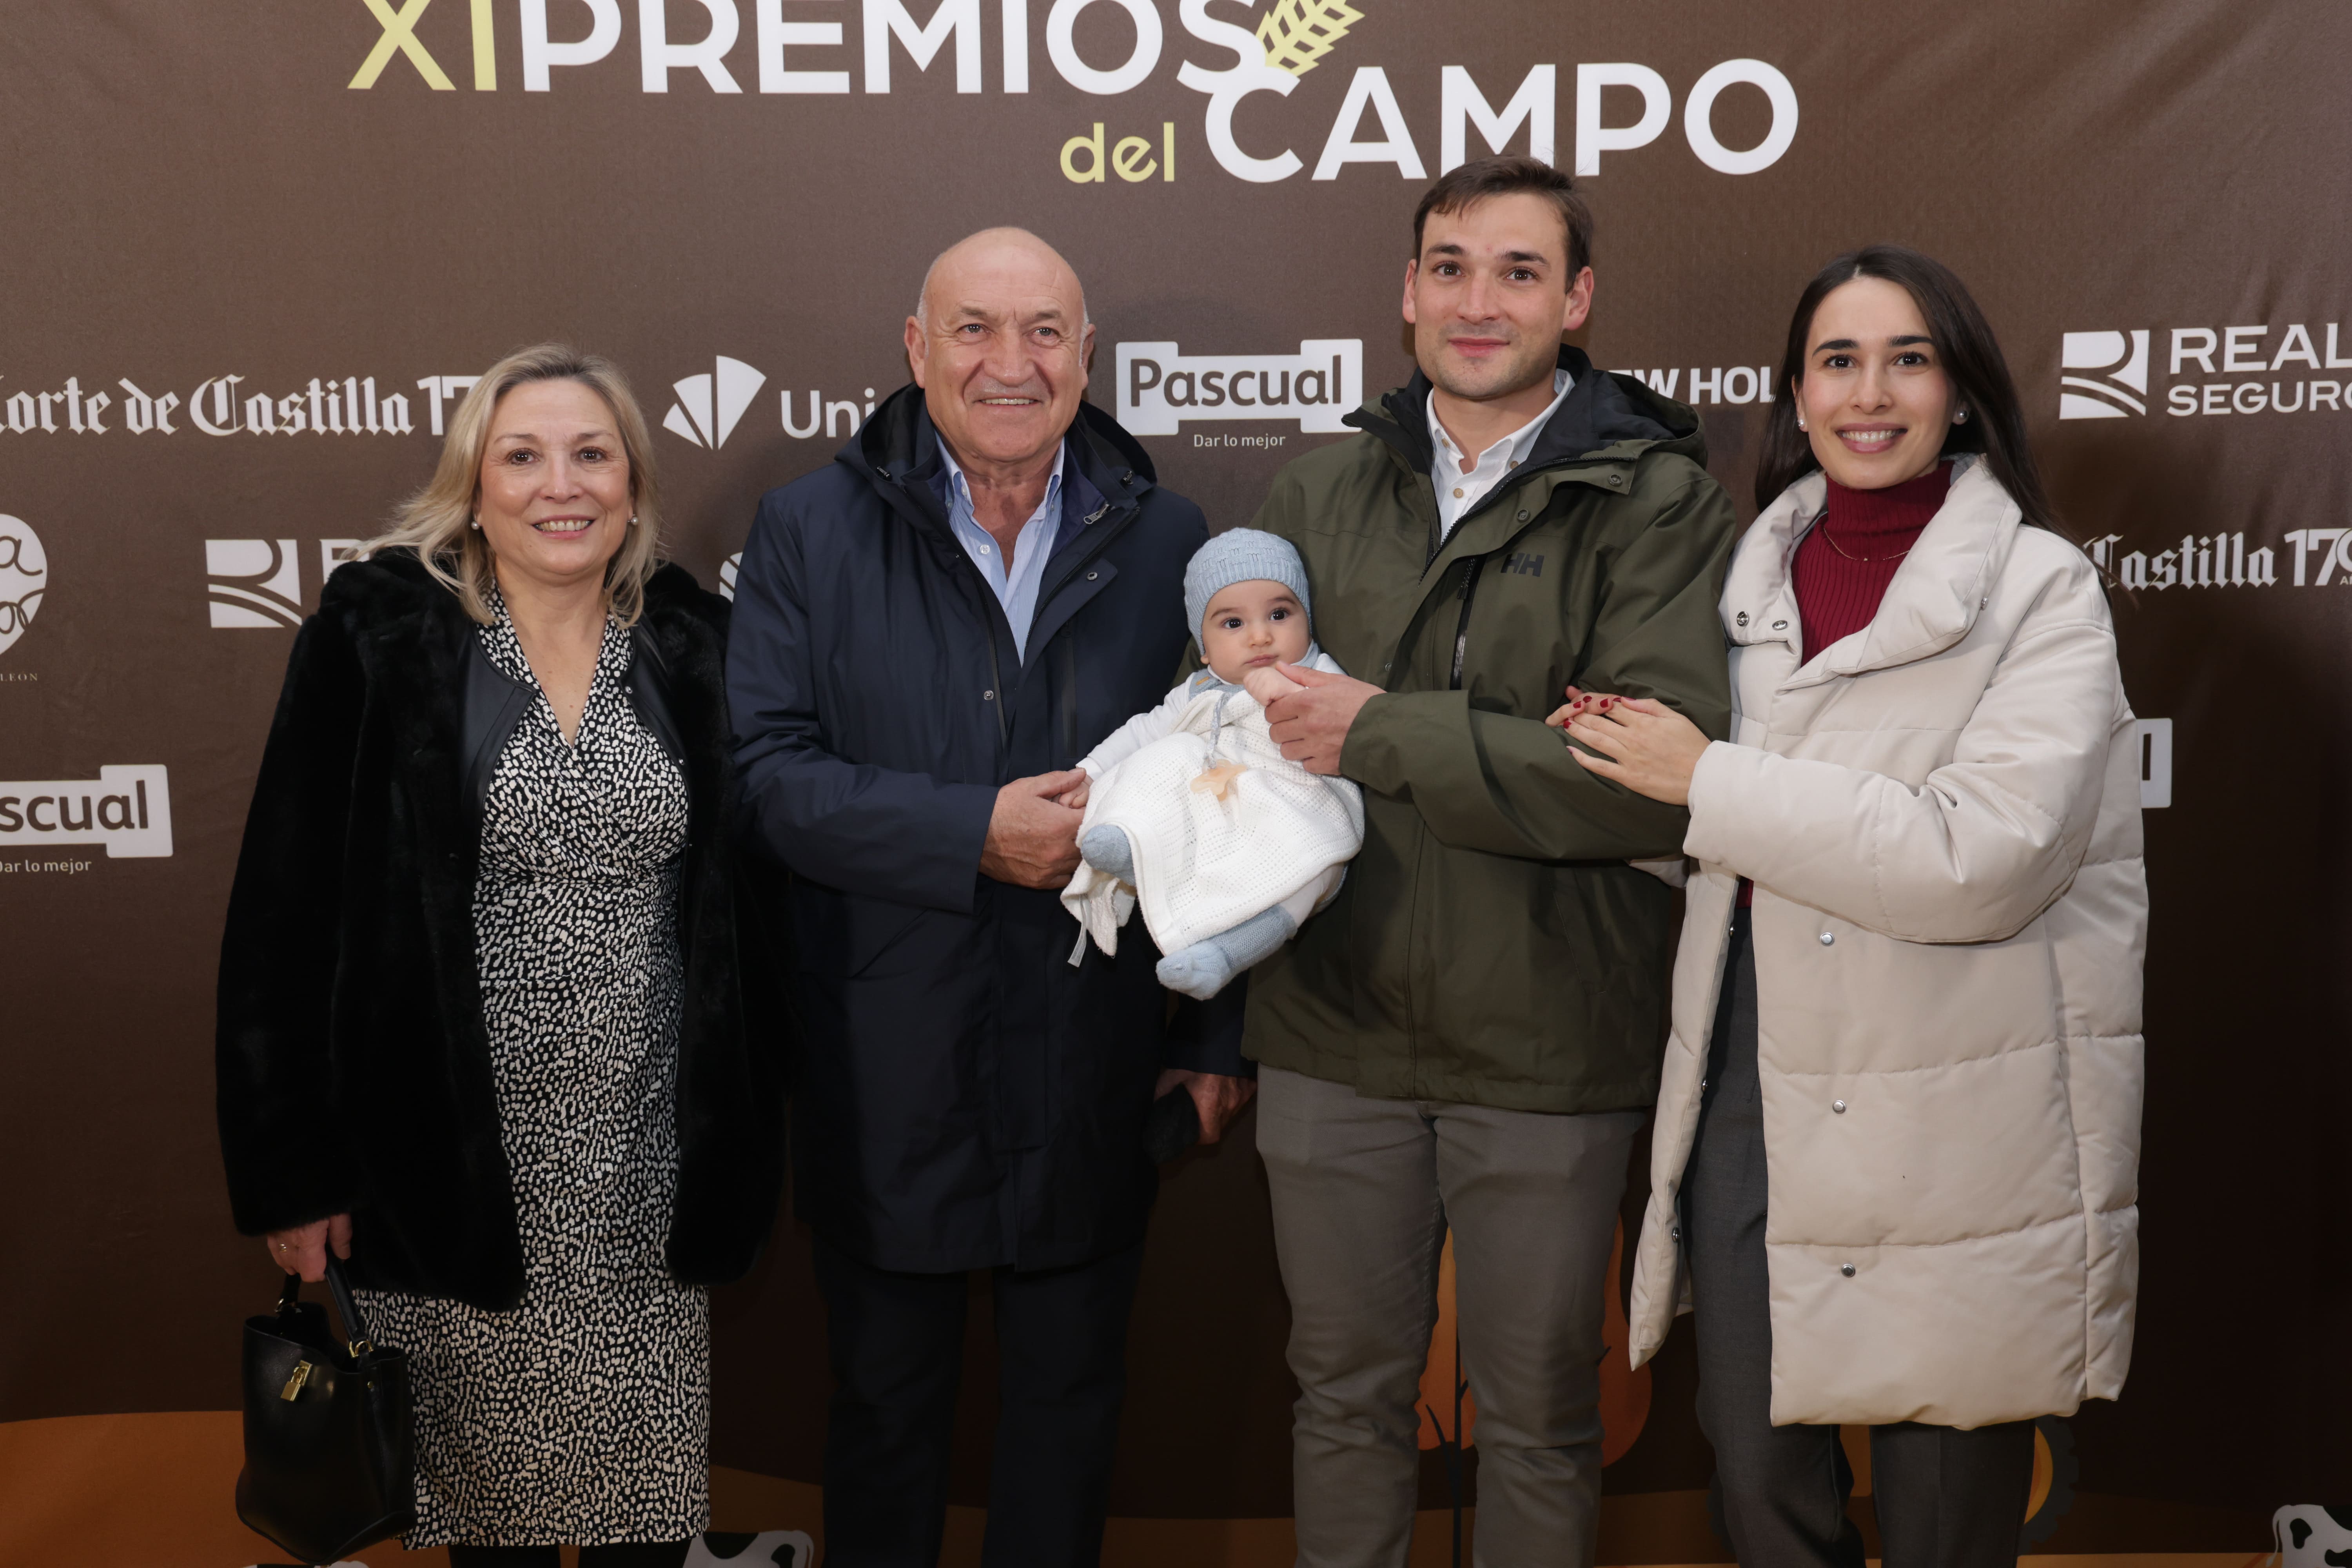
{"x": 584, "y": 1414}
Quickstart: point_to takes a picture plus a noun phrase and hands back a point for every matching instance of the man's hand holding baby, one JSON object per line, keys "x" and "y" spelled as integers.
{"x": 1269, "y": 683}
{"x": 1311, "y": 720}
{"x": 1033, "y": 837}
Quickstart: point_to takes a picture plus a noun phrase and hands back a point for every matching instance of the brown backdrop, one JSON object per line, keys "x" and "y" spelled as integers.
{"x": 236, "y": 213}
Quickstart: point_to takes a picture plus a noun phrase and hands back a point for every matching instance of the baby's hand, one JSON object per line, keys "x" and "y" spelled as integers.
{"x": 1076, "y": 798}
{"x": 1268, "y": 685}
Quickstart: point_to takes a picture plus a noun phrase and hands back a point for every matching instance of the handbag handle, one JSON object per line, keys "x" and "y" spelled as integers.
{"x": 355, "y": 1330}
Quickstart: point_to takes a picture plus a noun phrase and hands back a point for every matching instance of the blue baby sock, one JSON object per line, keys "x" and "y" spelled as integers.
{"x": 1208, "y": 966}
{"x": 1107, "y": 850}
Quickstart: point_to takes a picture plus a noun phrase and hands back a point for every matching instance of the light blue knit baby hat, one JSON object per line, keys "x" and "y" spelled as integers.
{"x": 1241, "y": 555}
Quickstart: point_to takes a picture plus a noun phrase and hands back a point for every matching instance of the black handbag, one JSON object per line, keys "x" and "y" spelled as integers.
{"x": 330, "y": 1452}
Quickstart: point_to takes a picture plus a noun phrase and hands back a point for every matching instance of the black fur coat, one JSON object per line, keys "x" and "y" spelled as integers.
{"x": 353, "y": 1064}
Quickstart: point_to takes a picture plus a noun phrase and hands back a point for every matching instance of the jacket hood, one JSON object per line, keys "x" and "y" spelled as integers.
{"x": 899, "y": 442}
{"x": 1603, "y": 415}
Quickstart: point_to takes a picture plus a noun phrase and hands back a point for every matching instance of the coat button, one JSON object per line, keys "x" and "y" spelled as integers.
{"x": 1702, "y": 1085}
{"x": 1829, "y": 939}
{"x": 1740, "y": 619}
{"x": 1523, "y": 517}
{"x": 1779, "y": 625}
{"x": 1846, "y": 1270}
{"x": 1092, "y": 576}
{"x": 1838, "y": 1106}
{"x": 1676, "y": 1234}
{"x": 1616, "y": 480}
{"x": 990, "y": 697}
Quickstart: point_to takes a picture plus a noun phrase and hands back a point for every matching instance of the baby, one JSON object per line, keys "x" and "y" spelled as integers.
{"x": 1191, "y": 810}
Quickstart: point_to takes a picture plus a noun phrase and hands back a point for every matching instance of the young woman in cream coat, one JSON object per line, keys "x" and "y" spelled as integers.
{"x": 1897, "y": 1155}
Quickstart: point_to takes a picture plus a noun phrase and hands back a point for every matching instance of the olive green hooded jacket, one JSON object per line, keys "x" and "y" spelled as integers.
{"x": 1490, "y": 944}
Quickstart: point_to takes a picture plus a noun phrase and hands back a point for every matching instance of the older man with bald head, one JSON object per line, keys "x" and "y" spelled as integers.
{"x": 928, "y": 633}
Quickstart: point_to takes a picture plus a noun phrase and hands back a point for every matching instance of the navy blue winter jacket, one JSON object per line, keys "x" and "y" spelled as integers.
{"x": 965, "y": 1097}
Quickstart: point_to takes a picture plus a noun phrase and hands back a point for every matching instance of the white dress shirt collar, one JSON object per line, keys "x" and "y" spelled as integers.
{"x": 1458, "y": 492}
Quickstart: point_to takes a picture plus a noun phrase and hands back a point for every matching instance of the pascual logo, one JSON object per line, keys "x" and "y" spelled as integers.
{"x": 128, "y": 809}
{"x": 24, "y": 578}
{"x": 708, "y": 406}
{"x": 2211, "y": 370}
{"x": 2118, "y": 358}
{"x": 256, "y": 583}
{"x": 1292, "y": 39}
{"x": 1158, "y": 387}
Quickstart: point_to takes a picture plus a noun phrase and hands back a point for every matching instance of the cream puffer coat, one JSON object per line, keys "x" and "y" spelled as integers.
{"x": 1941, "y": 816}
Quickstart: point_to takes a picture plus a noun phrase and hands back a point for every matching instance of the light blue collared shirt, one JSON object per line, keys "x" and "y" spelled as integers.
{"x": 1016, "y": 590}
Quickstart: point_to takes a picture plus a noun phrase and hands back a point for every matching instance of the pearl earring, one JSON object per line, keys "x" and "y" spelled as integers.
{"x": 476, "y": 525}
{"x": 1961, "y": 417}
{"x": 633, "y": 520}
{"x": 1801, "y": 421}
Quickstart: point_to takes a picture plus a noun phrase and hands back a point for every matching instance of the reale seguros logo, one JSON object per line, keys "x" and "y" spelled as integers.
{"x": 256, "y": 583}
{"x": 2253, "y": 368}
{"x": 2122, "y": 357}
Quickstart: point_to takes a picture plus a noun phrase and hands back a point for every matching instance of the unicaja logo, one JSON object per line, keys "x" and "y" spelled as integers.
{"x": 23, "y": 577}
{"x": 709, "y": 406}
{"x": 2104, "y": 374}
{"x": 1160, "y": 387}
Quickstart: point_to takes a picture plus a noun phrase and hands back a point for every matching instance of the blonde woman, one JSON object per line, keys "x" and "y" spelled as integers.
{"x": 481, "y": 1028}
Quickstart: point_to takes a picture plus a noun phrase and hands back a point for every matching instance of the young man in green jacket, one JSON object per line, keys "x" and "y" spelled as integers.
{"x": 1470, "y": 1034}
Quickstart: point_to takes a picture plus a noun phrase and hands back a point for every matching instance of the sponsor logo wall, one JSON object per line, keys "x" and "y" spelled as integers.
{"x": 240, "y": 319}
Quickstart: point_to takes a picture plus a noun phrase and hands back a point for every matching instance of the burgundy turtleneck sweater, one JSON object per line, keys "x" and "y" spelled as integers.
{"x": 1839, "y": 584}
{"x": 1845, "y": 563}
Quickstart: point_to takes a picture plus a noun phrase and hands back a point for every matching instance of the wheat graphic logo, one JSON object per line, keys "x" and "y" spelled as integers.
{"x": 1297, "y": 33}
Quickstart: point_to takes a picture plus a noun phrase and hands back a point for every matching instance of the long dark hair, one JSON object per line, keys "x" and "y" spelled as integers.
{"x": 1970, "y": 356}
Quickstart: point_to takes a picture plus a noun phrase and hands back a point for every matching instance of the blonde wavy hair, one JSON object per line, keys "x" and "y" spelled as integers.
{"x": 437, "y": 521}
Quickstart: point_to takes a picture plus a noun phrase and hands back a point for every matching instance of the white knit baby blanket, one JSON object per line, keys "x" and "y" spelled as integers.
{"x": 1207, "y": 858}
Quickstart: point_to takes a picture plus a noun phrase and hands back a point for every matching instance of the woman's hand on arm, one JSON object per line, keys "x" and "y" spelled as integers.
{"x": 1635, "y": 741}
{"x": 303, "y": 1249}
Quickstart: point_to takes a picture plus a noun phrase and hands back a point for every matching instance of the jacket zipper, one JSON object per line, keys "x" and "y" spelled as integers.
{"x": 996, "y": 688}
{"x": 1462, "y": 631}
{"x": 995, "y": 670}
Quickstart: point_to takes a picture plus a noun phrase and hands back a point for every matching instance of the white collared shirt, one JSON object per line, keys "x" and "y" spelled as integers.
{"x": 1016, "y": 587}
{"x": 1457, "y": 492}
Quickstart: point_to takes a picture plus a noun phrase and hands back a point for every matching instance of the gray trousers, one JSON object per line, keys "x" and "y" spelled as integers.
{"x": 1363, "y": 1191}
{"x": 1946, "y": 1499}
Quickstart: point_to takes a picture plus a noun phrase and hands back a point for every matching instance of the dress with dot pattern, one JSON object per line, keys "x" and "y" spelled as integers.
{"x": 583, "y": 1416}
